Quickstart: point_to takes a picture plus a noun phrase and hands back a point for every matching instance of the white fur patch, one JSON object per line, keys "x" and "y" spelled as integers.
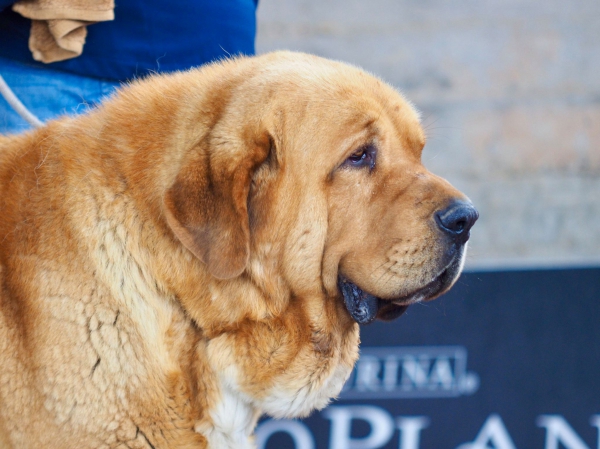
{"x": 296, "y": 393}
{"x": 233, "y": 420}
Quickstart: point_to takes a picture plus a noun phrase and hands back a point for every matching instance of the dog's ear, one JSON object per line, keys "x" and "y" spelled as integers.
{"x": 206, "y": 207}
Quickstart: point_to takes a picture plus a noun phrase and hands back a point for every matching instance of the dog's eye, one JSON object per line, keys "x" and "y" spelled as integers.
{"x": 363, "y": 157}
{"x": 358, "y": 156}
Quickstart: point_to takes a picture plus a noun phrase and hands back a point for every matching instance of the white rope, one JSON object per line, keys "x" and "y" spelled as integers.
{"x": 16, "y": 104}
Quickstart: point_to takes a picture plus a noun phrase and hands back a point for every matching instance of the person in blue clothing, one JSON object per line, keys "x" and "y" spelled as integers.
{"x": 146, "y": 36}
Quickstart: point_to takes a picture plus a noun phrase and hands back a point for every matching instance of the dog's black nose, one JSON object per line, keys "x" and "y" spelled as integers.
{"x": 457, "y": 220}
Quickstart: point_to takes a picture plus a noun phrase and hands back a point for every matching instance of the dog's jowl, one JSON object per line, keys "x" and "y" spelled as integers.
{"x": 202, "y": 248}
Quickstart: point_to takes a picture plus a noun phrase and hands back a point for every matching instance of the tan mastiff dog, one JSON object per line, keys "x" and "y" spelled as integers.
{"x": 200, "y": 250}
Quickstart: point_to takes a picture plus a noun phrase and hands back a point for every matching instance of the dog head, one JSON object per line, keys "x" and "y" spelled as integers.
{"x": 309, "y": 180}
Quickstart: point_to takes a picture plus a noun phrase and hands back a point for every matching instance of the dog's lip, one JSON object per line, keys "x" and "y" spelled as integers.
{"x": 365, "y": 308}
{"x": 428, "y": 291}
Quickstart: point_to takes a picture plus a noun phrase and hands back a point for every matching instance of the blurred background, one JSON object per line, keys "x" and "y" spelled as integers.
{"x": 510, "y": 96}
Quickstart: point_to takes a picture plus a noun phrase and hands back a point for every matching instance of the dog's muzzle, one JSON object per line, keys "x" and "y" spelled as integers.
{"x": 455, "y": 223}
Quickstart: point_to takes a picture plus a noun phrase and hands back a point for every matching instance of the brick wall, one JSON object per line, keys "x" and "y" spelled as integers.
{"x": 510, "y": 95}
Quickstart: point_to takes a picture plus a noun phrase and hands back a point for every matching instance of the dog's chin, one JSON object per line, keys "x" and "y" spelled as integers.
{"x": 365, "y": 307}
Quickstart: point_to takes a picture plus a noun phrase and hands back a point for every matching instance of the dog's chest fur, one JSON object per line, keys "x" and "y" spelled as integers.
{"x": 235, "y": 414}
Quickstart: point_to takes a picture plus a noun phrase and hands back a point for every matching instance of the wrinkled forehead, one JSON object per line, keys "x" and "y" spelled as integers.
{"x": 366, "y": 105}
{"x": 327, "y": 102}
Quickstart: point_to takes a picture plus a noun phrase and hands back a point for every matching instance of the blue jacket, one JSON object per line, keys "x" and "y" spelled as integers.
{"x": 146, "y": 36}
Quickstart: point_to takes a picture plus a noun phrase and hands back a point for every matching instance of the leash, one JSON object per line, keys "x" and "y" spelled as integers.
{"x": 16, "y": 104}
